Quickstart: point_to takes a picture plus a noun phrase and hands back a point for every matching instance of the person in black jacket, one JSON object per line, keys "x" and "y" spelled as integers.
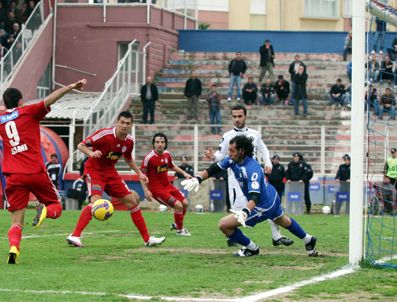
{"x": 250, "y": 91}
{"x": 337, "y": 93}
{"x": 276, "y": 177}
{"x": 282, "y": 89}
{"x": 237, "y": 68}
{"x": 185, "y": 167}
{"x": 267, "y": 60}
{"x": 192, "y": 93}
{"x": 293, "y": 69}
{"x": 54, "y": 170}
{"x": 343, "y": 177}
{"x": 307, "y": 175}
{"x": 300, "y": 93}
{"x": 149, "y": 97}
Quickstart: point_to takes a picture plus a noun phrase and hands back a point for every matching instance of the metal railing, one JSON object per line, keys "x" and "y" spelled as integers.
{"x": 21, "y": 43}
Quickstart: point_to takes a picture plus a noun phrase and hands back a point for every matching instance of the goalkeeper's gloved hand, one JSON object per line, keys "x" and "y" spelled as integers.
{"x": 191, "y": 184}
{"x": 242, "y": 215}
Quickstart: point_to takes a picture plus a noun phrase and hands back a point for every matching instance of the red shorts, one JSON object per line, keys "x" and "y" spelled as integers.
{"x": 167, "y": 195}
{"x": 111, "y": 183}
{"x": 19, "y": 186}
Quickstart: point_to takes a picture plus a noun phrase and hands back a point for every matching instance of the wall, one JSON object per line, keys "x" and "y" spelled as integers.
{"x": 85, "y": 42}
{"x": 250, "y": 41}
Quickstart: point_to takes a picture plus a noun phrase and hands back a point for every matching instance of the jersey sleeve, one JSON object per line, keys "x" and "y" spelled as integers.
{"x": 38, "y": 110}
{"x": 128, "y": 153}
{"x": 145, "y": 164}
{"x": 221, "y": 153}
{"x": 225, "y": 163}
{"x": 254, "y": 178}
{"x": 170, "y": 161}
{"x": 94, "y": 140}
{"x": 264, "y": 152}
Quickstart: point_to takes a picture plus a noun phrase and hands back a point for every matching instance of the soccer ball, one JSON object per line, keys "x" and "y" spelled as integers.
{"x": 326, "y": 210}
{"x": 163, "y": 208}
{"x": 102, "y": 209}
{"x": 199, "y": 208}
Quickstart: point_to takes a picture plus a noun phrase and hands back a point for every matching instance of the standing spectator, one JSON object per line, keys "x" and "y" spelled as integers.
{"x": 300, "y": 93}
{"x": 307, "y": 175}
{"x": 343, "y": 176}
{"x": 185, "y": 167}
{"x": 54, "y": 169}
{"x": 293, "y": 69}
{"x": 282, "y": 89}
{"x": 16, "y": 29}
{"x": 214, "y": 106}
{"x": 149, "y": 97}
{"x": 267, "y": 91}
{"x": 347, "y": 49}
{"x": 267, "y": 60}
{"x": 192, "y": 93}
{"x": 387, "y": 70}
{"x": 237, "y": 68}
{"x": 250, "y": 92}
{"x": 373, "y": 68}
{"x": 390, "y": 169}
{"x": 379, "y": 39}
{"x": 349, "y": 67}
{"x": 337, "y": 94}
{"x": 276, "y": 177}
{"x": 393, "y": 50}
{"x": 388, "y": 103}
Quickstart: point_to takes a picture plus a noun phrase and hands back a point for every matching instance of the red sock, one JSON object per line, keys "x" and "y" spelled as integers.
{"x": 184, "y": 211}
{"x": 54, "y": 210}
{"x": 84, "y": 220}
{"x": 15, "y": 235}
{"x": 139, "y": 221}
{"x": 178, "y": 217}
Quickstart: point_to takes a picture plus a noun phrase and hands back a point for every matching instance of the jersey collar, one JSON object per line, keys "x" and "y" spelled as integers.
{"x": 240, "y": 129}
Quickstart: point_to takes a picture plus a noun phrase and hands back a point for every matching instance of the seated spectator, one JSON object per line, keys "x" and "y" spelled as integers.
{"x": 387, "y": 103}
{"x": 347, "y": 49}
{"x": 3, "y": 15}
{"x": 349, "y": 67}
{"x": 348, "y": 96}
{"x": 250, "y": 91}
{"x": 267, "y": 91}
{"x": 337, "y": 93}
{"x": 214, "y": 106}
{"x": 372, "y": 100}
{"x": 16, "y": 29}
{"x": 392, "y": 52}
{"x": 373, "y": 68}
{"x": 387, "y": 69}
{"x": 282, "y": 89}
{"x": 185, "y": 167}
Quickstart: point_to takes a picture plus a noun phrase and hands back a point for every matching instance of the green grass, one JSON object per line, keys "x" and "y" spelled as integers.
{"x": 114, "y": 261}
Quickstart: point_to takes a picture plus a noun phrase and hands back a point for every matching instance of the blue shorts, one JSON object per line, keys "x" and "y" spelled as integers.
{"x": 259, "y": 214}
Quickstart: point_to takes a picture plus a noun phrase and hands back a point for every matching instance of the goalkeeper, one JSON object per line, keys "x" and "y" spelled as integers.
{"x": 263, "y": 201}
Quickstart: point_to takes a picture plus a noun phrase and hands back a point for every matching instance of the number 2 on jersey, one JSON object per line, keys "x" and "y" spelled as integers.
{"x": 12, "y": 133}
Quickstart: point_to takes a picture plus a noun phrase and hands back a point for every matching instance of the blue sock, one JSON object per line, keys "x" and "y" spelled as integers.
{"x": 296, "y": 229}
{"x": 239, "y": 237}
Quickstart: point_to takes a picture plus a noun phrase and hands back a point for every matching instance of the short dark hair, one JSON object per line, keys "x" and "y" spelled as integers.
{"x": 54, "y": 155}
{"x": 280, "y": 77}
{"x": 339, "y": 80}
{"x": 11, "y": 97}
{"x": 244, "y": 143}
{"x": 160, "y": 134}
{"x": 239, "y": 107}
{"x": 125, "y": 114}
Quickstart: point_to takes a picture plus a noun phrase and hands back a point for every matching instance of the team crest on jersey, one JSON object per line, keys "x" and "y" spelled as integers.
{"x": 123, "y": 149}
{"x": 162, "y": 168}
{"x": 9, "y": 117}
{"x": 255, "y": 185}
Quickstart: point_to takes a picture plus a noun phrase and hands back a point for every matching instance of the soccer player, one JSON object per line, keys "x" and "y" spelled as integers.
{"x": 156, "y": 165}
{"x": 23, "y": 165}
{"x": 263, "y": 201}
{"x": 236, "y": 196}
{"x": 104, "y": 148}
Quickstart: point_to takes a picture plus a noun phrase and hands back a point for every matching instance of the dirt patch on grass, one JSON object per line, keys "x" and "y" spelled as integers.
{"x": 325, "y": 297}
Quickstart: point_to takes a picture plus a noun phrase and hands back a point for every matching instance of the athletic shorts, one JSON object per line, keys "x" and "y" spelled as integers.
{"x": 259, "y": 214}
{"x": 19, "y": 186}
{"x": 111, "y": 183}
{"x": 167, "y": 195}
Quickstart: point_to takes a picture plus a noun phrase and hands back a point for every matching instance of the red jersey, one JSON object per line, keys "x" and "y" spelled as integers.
{"x": 112, "y": 149}
{"x": 20, "y": 131}
{"x": 156, "y": 166}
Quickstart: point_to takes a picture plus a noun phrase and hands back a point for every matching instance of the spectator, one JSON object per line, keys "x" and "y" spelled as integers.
{"x": 54, "y": 170}
{"x": 237, "y": 68}
{"x": 29, "y": 9}
{"x": 349, "y": 67}
{"x": 79, "y": 191}
{"x": 388, "y": 103}
{"x": 387, "y": 70}
{"x": 282, "y": 89}
{"x": 300, "y": 93}
{"x": 11, "y": 19}
{"x": 3, "y": 51}
{"x": 379, "y": 39}
{"x": 149, "y": 97}
{"x": 250, "y": 91}
{"x": 276, "y": 177}
{"x": 347, "y": 49}
{"x": 337, "y": 94}
{"x": 9, "y": 41}
{"x": 267, "y": 60}
{"x": 16, "y": 29}
{"x": 267, "y": 91}
{"x": 192, "y": 93}
{"x": 293, "y": 69}
{"x": 348, "y": 96}
{"x": 386, "y": 193}
{"x": 343, "y": 176}
{"x": 371, "y": 99}
{"x": 214, "y": 106}
{"x": 185, "y": 167}
{"x": 390, "y": 168}
{"x": 307, "y": 175}
{"x": 393, "y": 50}
{"x": 373, "y": 68}
{"x": 3, "y": 15}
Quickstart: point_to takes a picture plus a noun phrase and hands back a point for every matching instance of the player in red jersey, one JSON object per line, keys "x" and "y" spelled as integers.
{"x": 23, "y": 165}
{"x": 104, "y": 148}
{"x": 155, "y": 165}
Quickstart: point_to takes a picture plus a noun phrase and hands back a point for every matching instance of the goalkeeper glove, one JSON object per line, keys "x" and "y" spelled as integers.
{"x": 191, "y": 184}
{"x": 241, "y": 216}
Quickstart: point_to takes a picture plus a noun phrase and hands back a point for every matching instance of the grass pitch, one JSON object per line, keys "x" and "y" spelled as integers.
{"x": 114, "y": 262}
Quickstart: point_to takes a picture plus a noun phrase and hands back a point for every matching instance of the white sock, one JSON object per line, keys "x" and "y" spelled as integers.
{"x": 275, "y": 230}
{"x": 307, "y": 238}
{"x": 252, "y": 246}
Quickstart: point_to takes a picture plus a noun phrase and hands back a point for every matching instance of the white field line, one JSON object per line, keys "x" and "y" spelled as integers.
{"x": 386, "y": 259}
{"x": 252, "y": 298}
{"x": 65, "y": 234}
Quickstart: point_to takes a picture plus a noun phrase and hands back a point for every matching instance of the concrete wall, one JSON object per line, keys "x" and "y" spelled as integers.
{"x": 85, "y": 42}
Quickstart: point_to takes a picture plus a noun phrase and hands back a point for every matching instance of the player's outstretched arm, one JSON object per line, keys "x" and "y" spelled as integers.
{"x": 180, "y": 171}
{"x": 57, "y": 94}
{"x": 87, "y": 151}
{"x": 132, "y": 164}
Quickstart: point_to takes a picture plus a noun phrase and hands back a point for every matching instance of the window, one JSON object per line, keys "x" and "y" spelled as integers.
{"x": 258, "y": 7}
{"x": 347, "y": 11}
{"x": 321, "y": 8}
{"x": 211, "y": 5}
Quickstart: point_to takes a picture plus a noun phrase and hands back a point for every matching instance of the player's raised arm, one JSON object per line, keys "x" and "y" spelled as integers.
{"x": 265, "y": 154}
{"x": 57, "y": 94}
{"x": 87, "y": 151}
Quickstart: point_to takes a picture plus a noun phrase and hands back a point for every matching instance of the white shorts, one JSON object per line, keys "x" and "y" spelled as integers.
{"x": 236, "y": 196}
